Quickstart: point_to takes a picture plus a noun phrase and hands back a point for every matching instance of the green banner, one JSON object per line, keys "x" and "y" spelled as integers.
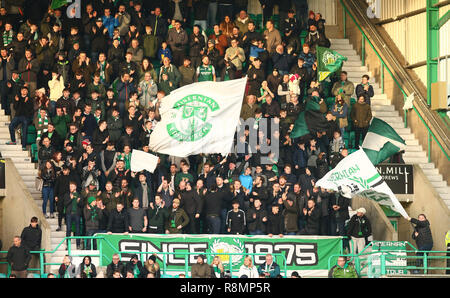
{"x": 304, "y": 253}
{"x": 328, "y": 62}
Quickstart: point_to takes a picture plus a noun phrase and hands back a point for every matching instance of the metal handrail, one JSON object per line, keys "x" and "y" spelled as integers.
{"x": 388, "y": 254}
{"x": 383, "y": 65}
{"x": 100, "y": 255}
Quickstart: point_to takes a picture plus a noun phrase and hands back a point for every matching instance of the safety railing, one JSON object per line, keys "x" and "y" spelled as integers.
{"x": 99, "y": 254}
{"x": 401, "y": 261}
{"x": 383, "y": 67}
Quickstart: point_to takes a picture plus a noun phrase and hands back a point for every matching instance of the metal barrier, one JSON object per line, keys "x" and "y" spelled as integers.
{"x": 99, "y": 254}
{"x": 384, "y": 66}
{"x": 422, "y": 259}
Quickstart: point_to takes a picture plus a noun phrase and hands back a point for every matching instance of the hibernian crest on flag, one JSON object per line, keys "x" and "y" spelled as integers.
{"x": 190, "y": 118}
{"x": 328, "y": 62}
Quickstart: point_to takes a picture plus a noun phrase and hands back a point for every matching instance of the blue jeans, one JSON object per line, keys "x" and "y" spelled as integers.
{"x": 213, "y": 224}
{"x": 52, "y": 108}
{"x": 426, "y": 247}
{"x": 88, "y": 245}
{"x": 212, "y": 14}
{"x": 13, "y": 125}
{"x": 47, "y": 195}
{"x": 337, "y": 224}
{"x": 256, "y": 232}
{"x": 223, "y": 221}
{"x": 76, "y": 219}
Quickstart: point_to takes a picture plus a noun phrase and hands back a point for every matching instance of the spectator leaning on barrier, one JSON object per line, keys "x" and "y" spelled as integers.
{"x": 116, "y": 265}
{"x": 248, "y": 268}
{"x": 201, "y": 269}
{"x": 422, "y": 235}
{"x": 343, "y": 269}
{"x": 269, "y": 268}
{"x": 18, "y": 258}
{"x": 67, "y": 269}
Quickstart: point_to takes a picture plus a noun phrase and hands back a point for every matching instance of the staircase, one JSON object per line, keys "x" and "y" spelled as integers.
{"x": 28, "y": 171}
{"x": 382, "y": 108}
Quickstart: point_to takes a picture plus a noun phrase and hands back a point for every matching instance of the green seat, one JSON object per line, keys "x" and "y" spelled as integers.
{"x": 31, "y": 135}
{"x": 34, "y": 152}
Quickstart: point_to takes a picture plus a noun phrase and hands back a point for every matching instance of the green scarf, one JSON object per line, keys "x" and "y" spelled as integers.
{"x": 41, "y": 122}
{"x": 7, "y": 37}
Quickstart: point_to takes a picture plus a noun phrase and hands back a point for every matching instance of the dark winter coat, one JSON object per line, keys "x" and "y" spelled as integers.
{"x": 425, "y": 237}
{"x": 31, "y": 238}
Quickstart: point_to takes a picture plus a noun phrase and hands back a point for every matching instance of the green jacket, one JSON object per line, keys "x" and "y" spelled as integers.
{"x": 347, "y": 272}
{"x": 150, "y": 45}
{"x": 60, "y": 123}
{"x": 175, "y": 219}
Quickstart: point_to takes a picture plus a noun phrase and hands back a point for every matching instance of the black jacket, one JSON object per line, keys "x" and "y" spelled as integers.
{"x": 18, "y": 258}
{"x": 118, "y": 221}
{"x": 213, "y": 203}
{"x": 275, "y": 223}
{"x": 313, "y": 222}
{"x": 31, "y": 237}
{"x": 191, "y": 202}
{"x": 24, "y": 107}
{"x": 236, "y": 221}
{"x": 342, "y": 213}
{"x": 142, "y": 270}
{"x": 359, "y": 227}
{"x": 113, "y": 267}
{"x": 423, "y": 228}
{"x": 256, "y": 223}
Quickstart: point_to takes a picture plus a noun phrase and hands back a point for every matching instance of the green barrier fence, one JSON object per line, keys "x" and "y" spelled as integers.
{"x": 289, "y": 248}
{"x": 395, "y": 258}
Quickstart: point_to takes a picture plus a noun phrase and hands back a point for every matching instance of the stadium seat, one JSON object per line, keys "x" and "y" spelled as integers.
{"x": 31, "y": 135}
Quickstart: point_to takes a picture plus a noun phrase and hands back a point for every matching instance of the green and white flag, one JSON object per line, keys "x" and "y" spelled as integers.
{"x": 58, "y": 3}
{"x": 381, "y": 141}
{"x": 328, "y": 62}
{"x": 357, "y": 173}
{"x": 199, "y": 118}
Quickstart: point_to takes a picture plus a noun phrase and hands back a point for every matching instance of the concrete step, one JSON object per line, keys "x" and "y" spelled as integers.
{"x": 434, "y": 178}
{"x": 427, "y": 166}
{"x": 24, "y": 165}
{"x": 384, "y": 113}
{"x": 351, "y": 69}
{"x": 439, "y": 185}
{"x": 335, "y": 41}
{"x": 21, "y": 159}
{"x": 382, "y": 108}
{"x": 5, "y": 147}
{"x": 4, "y": 118}
{"x": 398, "y": 124}
{"x": 414, "y": 148}
{"x": 340, "y": 47}
{"x": 391, "y": 120}
{"x": 446, "y": 197}
{"x": 28, "y": 172}
{"x": 412, "y": 142}
{"x": 350, "y": 58}
{"x": 430, "y": 172}
{"x": 415, "y": 160}
{"x": 15, "y": 153}
{"x": 380, "y": 102}
{"x": 348, "y": 53}
{"x": 352, "y": 63}
{"x": 406, "y": 136}
{"x": 403, "y": 130}
{"x": 414, "y": 154}
{"x": 442, "y": 189}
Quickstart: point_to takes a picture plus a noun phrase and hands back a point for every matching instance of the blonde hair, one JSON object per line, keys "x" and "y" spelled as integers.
{"x": 250, "y": 259}
{"x": 219, "y": 264}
